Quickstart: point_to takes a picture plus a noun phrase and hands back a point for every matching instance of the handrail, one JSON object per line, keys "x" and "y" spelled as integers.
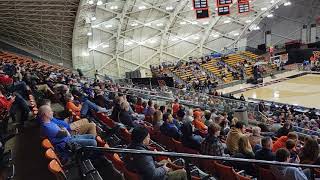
{"x": 191, "y": 156}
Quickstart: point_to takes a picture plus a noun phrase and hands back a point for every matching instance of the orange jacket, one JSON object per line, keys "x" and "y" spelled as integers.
{"x": 74, "y": 108}
{"x": 198, "y": 124}
{"x": 280, "y": 143}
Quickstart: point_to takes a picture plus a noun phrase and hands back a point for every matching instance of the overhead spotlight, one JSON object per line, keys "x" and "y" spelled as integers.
{"x": 105, "y": 45}
{"x": 215, "y": 35}
{"x": 248, "y": 21}
{"x": 183, "y": 22}
{"x": 99, "y": 3}
{"x": 90, "y": 2}
{"x": 159, "y": 24}
{"x": 194, "y": 22}
{"x": 147, "y": 24}
{"x": 108, "y": 26}
{"x": 277, "y": 7}
{"x": 236, "y": 34}
{"x": 226, "y": 21}
{"x": 270, "y": 15}
{"x": 129, "y": 43}
{"x": 272, "y": 1}
{"x": 142, "y": 7}
{"x": 114, "y": 7}
{"x": 86, "y": 54}
{"x": 196, "y": 37}
{"x": 287, "y": 3}
{"x": 93, "y": 18}
{"x": 89, "y": 33}
{"x": 169, "y": 8}
{"x": 134, "y": 24}
{"x": 205, "y": 23}
{"x": 264, "y": 9}
{"x": 96, "y": 26}
{"x": 152, "y": 41}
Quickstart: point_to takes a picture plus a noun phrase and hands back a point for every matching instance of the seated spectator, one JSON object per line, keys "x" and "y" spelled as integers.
{"x": 207, "y": 117}
{"x": 281, "y": 142}
{"x": 188, "y": 118}
{"x": 245, "y": 149}
{"x": 189, "y": 139}
{"x": 124, "y": 116}
{"x": 212, "y": 145}
{"x": 255, "y": 138}
{"x": 291, "y": 147}
{"x": 13, "y": 105}
{"x": 233, "y": 137}
{"x": 181, "y": 113}
{"x": 286, "y": 172}
{"x": 150, "y": 109}
{"x": 145, "y": 165}
{"x": 157, "y": 120}
{"x": 310, "y": 151}
{"x": 138, "y": 106}
{"x": 266, "y": 152}
{"x": 163, "y": 109}
{"x": 169, "y": 128}
{"x": 82, "y": 110}
{"x": 60, "y": 135}
{"x": 81, "y": 126}
{"x": 284, "y": 130}
{"x": 197, "y": 122}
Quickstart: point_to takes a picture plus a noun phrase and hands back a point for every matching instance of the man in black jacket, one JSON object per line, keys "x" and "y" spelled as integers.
{"x": 145, "y": 165}
{"x": 266, "y": 152}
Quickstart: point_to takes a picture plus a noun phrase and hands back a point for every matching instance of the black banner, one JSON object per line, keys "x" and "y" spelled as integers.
{"x": 159, "y": 81}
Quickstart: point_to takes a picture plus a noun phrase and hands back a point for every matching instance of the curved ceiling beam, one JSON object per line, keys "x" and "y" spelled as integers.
{"x": 172, "y": 17}
{"x": 118, "y": 35}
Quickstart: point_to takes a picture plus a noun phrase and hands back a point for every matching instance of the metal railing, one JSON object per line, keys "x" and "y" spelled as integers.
{"x": 188, "y": 157}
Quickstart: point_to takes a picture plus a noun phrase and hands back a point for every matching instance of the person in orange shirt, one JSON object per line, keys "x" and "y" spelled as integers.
{"x": 198, "y": 123}
{"x": 281, "y": 142}
{"x": 82, "y": 109}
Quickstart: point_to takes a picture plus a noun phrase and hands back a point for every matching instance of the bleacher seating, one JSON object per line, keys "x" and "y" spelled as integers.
{"x": 235, "y": 59}
{"x": 211, "y": 66}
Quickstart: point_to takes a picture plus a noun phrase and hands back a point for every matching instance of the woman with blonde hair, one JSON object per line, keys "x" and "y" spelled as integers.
{"x": 245, "y": 148}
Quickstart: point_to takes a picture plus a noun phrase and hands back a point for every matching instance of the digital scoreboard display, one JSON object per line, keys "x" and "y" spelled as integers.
{"x": 223, "y": 10}
{"x": 200, "y": 4}
{"x": 202, "y": 13}
{"x": 224, "y": 2}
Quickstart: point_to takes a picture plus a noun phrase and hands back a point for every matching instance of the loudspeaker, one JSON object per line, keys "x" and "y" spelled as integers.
{"x": 262, "y": 47}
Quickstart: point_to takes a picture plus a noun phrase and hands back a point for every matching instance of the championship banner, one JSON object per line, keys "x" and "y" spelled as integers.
{"x": 243, "y": 6}
{"x": 223, "y": 7}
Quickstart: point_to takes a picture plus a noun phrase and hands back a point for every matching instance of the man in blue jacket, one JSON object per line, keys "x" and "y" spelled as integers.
{"x": 145, "y": 165}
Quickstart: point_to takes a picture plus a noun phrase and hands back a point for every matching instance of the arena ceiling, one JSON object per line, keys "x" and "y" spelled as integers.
{"x": 116, "y": 36}
{"x": 42, "y": 27}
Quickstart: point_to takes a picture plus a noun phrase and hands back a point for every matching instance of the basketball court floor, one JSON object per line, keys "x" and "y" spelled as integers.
{"x": 301, "y": 91}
